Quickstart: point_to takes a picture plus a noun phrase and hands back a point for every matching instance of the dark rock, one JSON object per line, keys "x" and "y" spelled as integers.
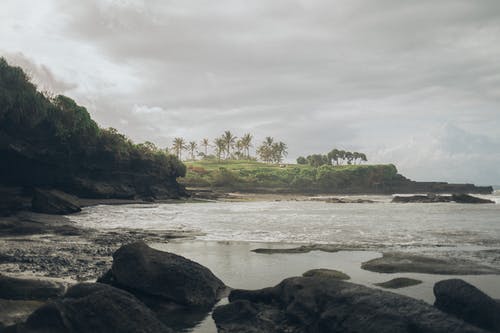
{"x": 13, "y": 199}
{"x": 433, "y": 198}
{"x": 468, "y": 303}
{"x": 465, "y": 198}
{"x": 326, "y": 273}
{"x": 398, "y": 262}
{"x": 151, "y": 273}
{"x": 429, "y": 198}
{"x": 54, "y": 202}
{"x": 399, "y": 283}
{"x": 93, "y": 308}
{"x": 29, "y": 289}
{"x": 342, "y": 200}
{"x": 305, "y": 304}
{"x": 14, "y": 311}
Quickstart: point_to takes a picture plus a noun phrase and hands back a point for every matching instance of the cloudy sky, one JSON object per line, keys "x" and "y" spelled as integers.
{"x": 415, "y": 83}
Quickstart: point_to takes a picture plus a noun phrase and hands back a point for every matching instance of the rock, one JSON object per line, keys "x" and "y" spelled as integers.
{"x": 398, "y": 283}
{"x": 342, "y": 200}
{"x": 468, "y": 303}
{"x": 54, "y": 202}
{"x": 327, "y": 273}
{"x": 12, "y": 199}
{"x": 465, "y": 198}
{"x": 429, "y": 198}
{"x": 13, "y": 312}
{"x": 433, "y": 198}
{"x": 398, "y": 262}
{"x": 29, "y": 289}
{"x": 93, "y": 308}
{"x": 166, "y": 276}
{"x": 311, "y": 304}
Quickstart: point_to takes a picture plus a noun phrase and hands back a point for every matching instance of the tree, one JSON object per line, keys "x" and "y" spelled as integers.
{"x": 301, "y": 160}
{"x": 192, "y": 146}
{"x": 334, "y": 156}
{"x": 178, "y": 146}
{"x": 205, "y": 143}
{"x": 363, "y": 157}
{"x": 229, "y": 141}
{"x": 279, "y": 151}
{"x": 246, "y": 142}
{"x": 220, "y": 146}
{"x": 239, "y": 149}
{"x": 265, "y": 150}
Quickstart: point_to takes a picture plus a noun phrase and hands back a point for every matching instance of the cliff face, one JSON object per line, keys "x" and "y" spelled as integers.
{"x": 54, "y": 143}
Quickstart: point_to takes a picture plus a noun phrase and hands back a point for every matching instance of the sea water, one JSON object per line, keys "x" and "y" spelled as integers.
{"x": 228, "y": 231}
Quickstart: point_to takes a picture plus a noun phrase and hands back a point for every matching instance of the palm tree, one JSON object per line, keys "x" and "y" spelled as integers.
{"x": 205, "y": 143}
{"x": 279, "y": 151}
{"x": 265, "y": 150}
{"x": 239, "y": 149}
{"x": 246, "y": 142}
{"x": 229, "y": 141}
{"x": 220, "y": 146}
{"x": 178, "y": 146}
{"x": 192, "y": 148}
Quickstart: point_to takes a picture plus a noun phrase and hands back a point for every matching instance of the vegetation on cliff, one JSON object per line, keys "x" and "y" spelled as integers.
{"x": 52, "y": 141}
{"x": 252, "y": 175}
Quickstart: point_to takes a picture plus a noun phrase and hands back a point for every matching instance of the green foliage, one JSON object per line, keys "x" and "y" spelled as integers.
{"x": 66, "y": 135}
{"x": 251, "y": 176}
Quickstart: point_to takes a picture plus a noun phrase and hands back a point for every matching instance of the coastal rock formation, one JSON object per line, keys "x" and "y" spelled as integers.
{"x": 465, "y": 198}
{"x": 432, "y": 198}
{"x": 398, "y": 283}
{"x": 327, "y": 273}
{"x": 54, "y": 143}
{"x": 468, "y": 303}
{"x": 89, "y": 308}
{"x": 400, "y": 262}
{"x": 54, "y": 202}
{"x": 29, "y": 289}
{"x": 149, "y": 273}
{"x": 310, "y": 304}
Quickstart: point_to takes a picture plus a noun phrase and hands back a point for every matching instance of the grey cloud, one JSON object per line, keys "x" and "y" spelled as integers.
{"x": 360, "y": 74}
{"x": 40, "y": 74}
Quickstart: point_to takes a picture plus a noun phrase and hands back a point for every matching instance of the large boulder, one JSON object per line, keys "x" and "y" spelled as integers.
{"x": 466, "y": 302}
{"x": 29, "y": 289}
{"x": 311, "y": 304}
{"x": 92, "y": 308}
{"x": 54, "y": 202}
{"x": 149, "y": 273}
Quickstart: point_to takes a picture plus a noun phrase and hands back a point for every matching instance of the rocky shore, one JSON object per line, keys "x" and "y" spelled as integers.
{"x": 147, "y": 290}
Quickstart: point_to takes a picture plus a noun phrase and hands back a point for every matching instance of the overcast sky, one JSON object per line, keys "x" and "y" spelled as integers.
{"x": 414, "y": 83}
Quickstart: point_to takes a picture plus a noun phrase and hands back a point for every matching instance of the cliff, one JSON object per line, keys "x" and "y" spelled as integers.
{"x": 52, "y": 142}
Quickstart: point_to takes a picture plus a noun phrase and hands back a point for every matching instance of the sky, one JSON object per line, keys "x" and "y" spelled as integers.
{"x": 413, "y": 83}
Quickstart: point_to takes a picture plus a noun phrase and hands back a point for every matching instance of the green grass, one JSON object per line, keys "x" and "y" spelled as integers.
{"x": 246, "y": 175}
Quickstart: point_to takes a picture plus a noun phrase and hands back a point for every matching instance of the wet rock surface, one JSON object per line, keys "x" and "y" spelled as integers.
{"x": 433, "y": 198}
{"x": 148, "y": 272}
{"x": 311, "y": 304}
{"x": 92, "y": 308}
{"x": 29, "y": 289}
{"x": 468, "y": 303}
{"x": 399, "y": 262}
{"x": 399, "y": 283}
{"x": 327, "y": 273}
{"x": 53, "y": 246}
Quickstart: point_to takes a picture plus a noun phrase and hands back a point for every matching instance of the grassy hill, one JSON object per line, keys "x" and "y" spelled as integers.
{"x": 243, "y": 175}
